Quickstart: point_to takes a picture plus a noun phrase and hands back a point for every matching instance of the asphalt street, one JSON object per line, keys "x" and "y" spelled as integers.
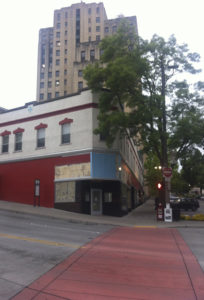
{"x": 32, "y": 245}
{"x": 194, "y": 237}
{"x": 124, "y": 263}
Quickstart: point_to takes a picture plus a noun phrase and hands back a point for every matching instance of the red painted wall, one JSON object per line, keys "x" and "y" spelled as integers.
{"x": 17, "y": 179}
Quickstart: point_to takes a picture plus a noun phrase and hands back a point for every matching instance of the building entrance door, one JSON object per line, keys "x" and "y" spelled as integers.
{"x": 96, "y": 202}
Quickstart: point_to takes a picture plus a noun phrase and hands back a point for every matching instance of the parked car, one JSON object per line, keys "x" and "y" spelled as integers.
{"x": 189, "y": 203}
{"x": 174, "y": 199}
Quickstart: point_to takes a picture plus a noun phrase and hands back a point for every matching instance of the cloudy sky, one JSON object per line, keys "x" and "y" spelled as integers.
{"x": 21, "y": 20}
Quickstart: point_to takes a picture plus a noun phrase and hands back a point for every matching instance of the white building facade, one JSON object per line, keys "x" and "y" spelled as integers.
{"x": 50, "y": 157}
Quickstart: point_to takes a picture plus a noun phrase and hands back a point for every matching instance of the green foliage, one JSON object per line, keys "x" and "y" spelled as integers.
{"x": 186, "y": 120}
{"x": 193, "y": 168}
{"x": 153, "y": 174}
{"x": 134, "y": 79}
{"x": 179, "y": 185}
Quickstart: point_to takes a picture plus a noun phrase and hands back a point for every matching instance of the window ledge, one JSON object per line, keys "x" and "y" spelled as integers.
{"x": 39, "y": 148}
{"x": 65, "y": 144}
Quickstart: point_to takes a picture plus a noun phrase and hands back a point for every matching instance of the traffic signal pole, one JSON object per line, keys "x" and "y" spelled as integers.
{"x": 167, "y": 173}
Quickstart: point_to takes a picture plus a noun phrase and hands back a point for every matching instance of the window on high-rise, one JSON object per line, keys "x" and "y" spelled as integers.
{"x": 49, "y": 96}
{"x": 65, "y": 24}
{"x": 49, "y": 74}
{"x": 65, "y": 51}
{"x": 82, "y": 55}
{"x": 58, "y": 25}
{"x": 58, "y": 17}
{"x": 106, "y": 29}
{"x": 50, "y": 54}
{"x": 66, "y": 14}
{"x": 114, "y": 28}
{"x": 58, "y": 43}
{"x": 80, "y": 85}
{"x": 65, "y": 42}
{"x": 42, "y": 75}
{"x": 89, "y": 29}
{"x": 49, "y": 84}
{"x": 58, "y": 34}
{"x": 56, "y": 94}
{"x": 77, "y": 13}
{"x": 65, "y": 81}
{"x": 97, "y": 19}
{"x": 57, "y": 73}
{"x": 89, "y": 11}
{"x": 65, "y": 33}
{"x": 102, "y": 137}
{"x": 41, "y": 96}
{"x": 65, "y": 72}
{"x": 101, "y": 52}
{"x": 50, "y": 60}
{"x": 98, "y": 28}
{"x": 57, "y": 62}
{"x": 92, "y": 54}
{"x": 65, "y": 61}
{"x": 57, "y": 52}
{"x": 89, "y": 20}
{"x": 43, "y": 55}
{"x": 98, "y": 10}
{"x": 43, "y": 49}
{"x": 98, "y": 37}
{"x": 80, "y": 73}
{"x": 57, "y": 83}
{"x": 42, "y": 85}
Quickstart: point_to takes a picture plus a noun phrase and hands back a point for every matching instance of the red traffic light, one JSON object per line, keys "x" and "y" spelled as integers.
{"x": 159, "y": 186}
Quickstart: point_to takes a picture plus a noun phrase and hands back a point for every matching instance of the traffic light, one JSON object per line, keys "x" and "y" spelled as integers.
{"x": 159, "y": 185}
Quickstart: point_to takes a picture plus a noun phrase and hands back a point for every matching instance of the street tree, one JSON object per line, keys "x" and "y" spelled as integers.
{"x": 153, "y": 173}
{"x": 139, "y": 96}
{"x": 193, "y": 169}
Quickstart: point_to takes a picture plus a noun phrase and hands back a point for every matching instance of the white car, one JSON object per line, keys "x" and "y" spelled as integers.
{"x": 174, "y": 199}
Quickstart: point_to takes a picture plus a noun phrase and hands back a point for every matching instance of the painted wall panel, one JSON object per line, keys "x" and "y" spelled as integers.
{"x": 17, "y": 179}
{"x": 103, "y": 165}
{"x": 73, "y": 171}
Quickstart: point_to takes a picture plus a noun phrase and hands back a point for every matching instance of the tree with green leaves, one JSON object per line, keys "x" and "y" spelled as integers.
{"x": 153, "y": 173}
{"x": 139, "y": 96}
{"x": 193, "y": 169}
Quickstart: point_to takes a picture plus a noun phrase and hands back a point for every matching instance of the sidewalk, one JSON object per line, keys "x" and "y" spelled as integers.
{"x": 124, "y": 263}
{"x": 144, "y": 215}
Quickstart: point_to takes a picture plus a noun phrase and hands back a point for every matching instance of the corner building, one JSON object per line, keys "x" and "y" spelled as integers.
{"x": 65, "y": 49}
{"x": 50, "y": 157}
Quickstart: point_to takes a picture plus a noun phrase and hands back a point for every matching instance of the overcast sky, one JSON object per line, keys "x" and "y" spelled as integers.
{"x": 20, "y": 21}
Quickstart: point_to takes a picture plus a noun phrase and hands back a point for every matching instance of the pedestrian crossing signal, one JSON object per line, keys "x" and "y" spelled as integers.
{"x": 159, "y": 186}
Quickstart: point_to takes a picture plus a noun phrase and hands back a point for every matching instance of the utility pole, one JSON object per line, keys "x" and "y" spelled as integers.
{"x": 164, "y": 134}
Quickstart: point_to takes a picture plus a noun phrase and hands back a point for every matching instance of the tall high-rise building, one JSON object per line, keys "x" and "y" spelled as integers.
{"x": 65, "y": 49}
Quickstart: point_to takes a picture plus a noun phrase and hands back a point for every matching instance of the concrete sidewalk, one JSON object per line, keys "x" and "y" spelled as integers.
{"x": 143, "y": 215}
{"x": 124, "y": 263}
